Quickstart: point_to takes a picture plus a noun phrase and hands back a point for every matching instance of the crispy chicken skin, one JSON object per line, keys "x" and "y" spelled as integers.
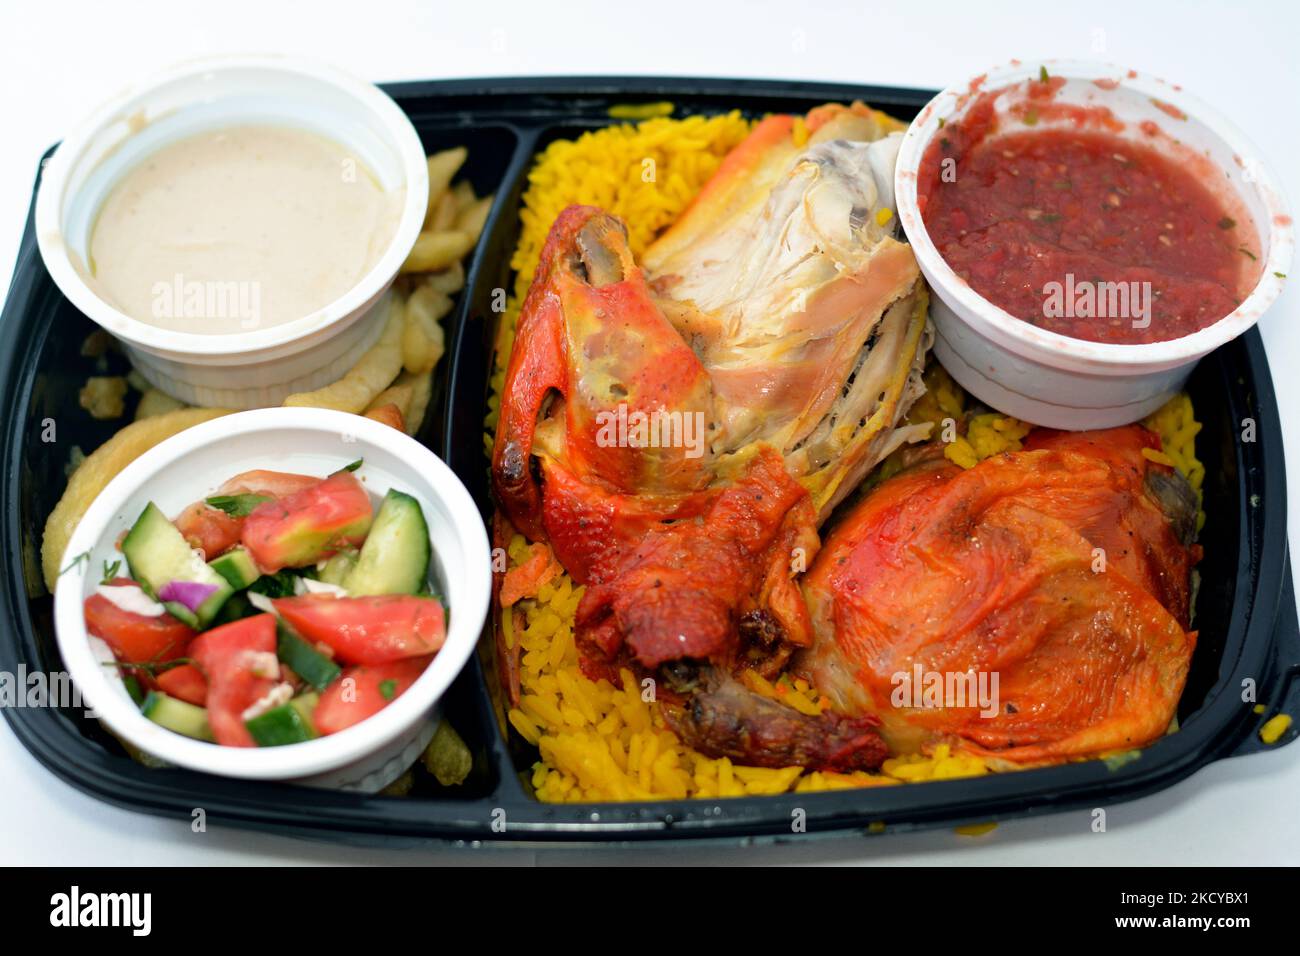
{"x": 590, "y": 341}
{"x": 681, "y": 591}
{"x": 1057, "y": 568}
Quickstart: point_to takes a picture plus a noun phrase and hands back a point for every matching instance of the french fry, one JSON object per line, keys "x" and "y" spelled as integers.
{"x": 444, "y": 214}
{"x": 448, "y": 757}
{"x": 398, "y": 395}
{"x": 99, "y": 469}
{"x": 463, "y": 192}
{"x": 98, "y": 343}
{"x": 442, "y": 167}
{"x": 472, "y": 219}
{"x": 154, "y": 402}
{"x": 423, "y": 342}
{"x": 449, "y": 281}
{"x": 370, "y": 376}
{"x": 434, "y": 251}
{"x": 410, "y": 395}
{"x": 421, "y": 392}
{"x": 389, "y": 415}
{"x": 104, "y": 396}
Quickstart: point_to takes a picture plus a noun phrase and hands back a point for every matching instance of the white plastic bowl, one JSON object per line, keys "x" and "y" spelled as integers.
{"x": 262, "y": 366}
{"x": 1052, "y": 379}
{"x": 189, "y": 466}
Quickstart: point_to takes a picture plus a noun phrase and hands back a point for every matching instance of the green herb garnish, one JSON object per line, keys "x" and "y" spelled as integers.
{"x": 388, "y": 689}
{"x": 352, "y": 467}
{"x": 278, "y": 585}
{"x": 237, "y": 506}
{"x": 133, "y": 689}
{"x": 84, "y": 556}
{"x": 1246, "y": 252}
{"x": 110, "y": 571}
{"x": 153, "y": 667}
{"x": 1043, "y": 76}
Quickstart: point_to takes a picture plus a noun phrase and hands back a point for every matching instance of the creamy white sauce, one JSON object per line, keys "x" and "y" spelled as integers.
{"x": 240, "y": 229}
{"x": 262, "y": 603}
{"x": 129, "y": 597}
{"x": 311, "y": 586}
{"x": 262, "y": 664}
{"x": 276, "y": 696}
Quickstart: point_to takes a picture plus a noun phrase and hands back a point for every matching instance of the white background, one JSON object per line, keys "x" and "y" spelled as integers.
{"x": 58, "y": 60}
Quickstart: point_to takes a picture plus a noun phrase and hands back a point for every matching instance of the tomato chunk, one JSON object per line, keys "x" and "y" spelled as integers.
{"x": 135, "y": 638}
{"x": 209, "y": 529}
{"x": 362, "y": 692}
{"x": 239, "y": 662}
{"x": 310, "y": 524}
{"x": 185, "y": 682}
{"x": 275, "y": 484}
{"x": 368, "y": 630}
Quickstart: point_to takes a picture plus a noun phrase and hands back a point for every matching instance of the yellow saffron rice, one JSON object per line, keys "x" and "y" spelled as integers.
{"x": 598, "y": 742}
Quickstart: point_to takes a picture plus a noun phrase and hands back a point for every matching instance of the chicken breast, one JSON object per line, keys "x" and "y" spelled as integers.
{"x": 807, "y": 313}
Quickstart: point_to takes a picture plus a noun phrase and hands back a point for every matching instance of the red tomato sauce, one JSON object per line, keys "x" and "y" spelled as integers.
{"x": 1036, "y": 220}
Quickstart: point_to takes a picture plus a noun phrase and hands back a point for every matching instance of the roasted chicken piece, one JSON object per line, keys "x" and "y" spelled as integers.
{"x": 678, "y": 445}
{"x": 1062, "y": 570}
{"x": 807, "y": 313}
{"x": 595, "y": 367}
{"x": 688, "y": 588}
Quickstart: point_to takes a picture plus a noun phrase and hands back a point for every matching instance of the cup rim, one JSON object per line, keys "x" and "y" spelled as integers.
{"x": 1031, "y": 341}
{"x": 322, "y": 754}
{"x": 197, "y": 345}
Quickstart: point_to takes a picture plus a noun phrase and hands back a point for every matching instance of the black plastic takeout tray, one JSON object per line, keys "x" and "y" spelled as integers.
{"x": 1246, "y": 609}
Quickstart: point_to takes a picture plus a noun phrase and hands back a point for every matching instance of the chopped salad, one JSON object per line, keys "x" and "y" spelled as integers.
{"x": 281, "y": 608}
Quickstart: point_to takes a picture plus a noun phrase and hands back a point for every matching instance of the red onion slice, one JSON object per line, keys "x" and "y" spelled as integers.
{"x": 190, "y": 593}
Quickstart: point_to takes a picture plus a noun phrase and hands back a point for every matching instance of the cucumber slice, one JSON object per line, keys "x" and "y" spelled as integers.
{"x": 234, "y": 609}
{"x": 157, "y": 553}
{"x": 177, "y": 715}
{"x": 280, "y": 726}
{"x": 395, "y": 557}
{"x": 338, "y": 568}
{"x": 303, "y": 659}
{"x": 237, "y": 567}
{"x": 305, "y": 705}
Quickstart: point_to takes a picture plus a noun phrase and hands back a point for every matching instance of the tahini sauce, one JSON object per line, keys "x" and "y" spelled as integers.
{"x": 239, "y": 229}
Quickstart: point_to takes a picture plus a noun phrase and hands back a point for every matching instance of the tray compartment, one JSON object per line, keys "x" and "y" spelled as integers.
{"x": 47, "y": 370}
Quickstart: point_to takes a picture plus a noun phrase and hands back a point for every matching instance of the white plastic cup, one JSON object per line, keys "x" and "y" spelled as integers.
{"x": 191, "y": 465}
{"x": 1051, "y": 379}
{"x": 259, "y": 367}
